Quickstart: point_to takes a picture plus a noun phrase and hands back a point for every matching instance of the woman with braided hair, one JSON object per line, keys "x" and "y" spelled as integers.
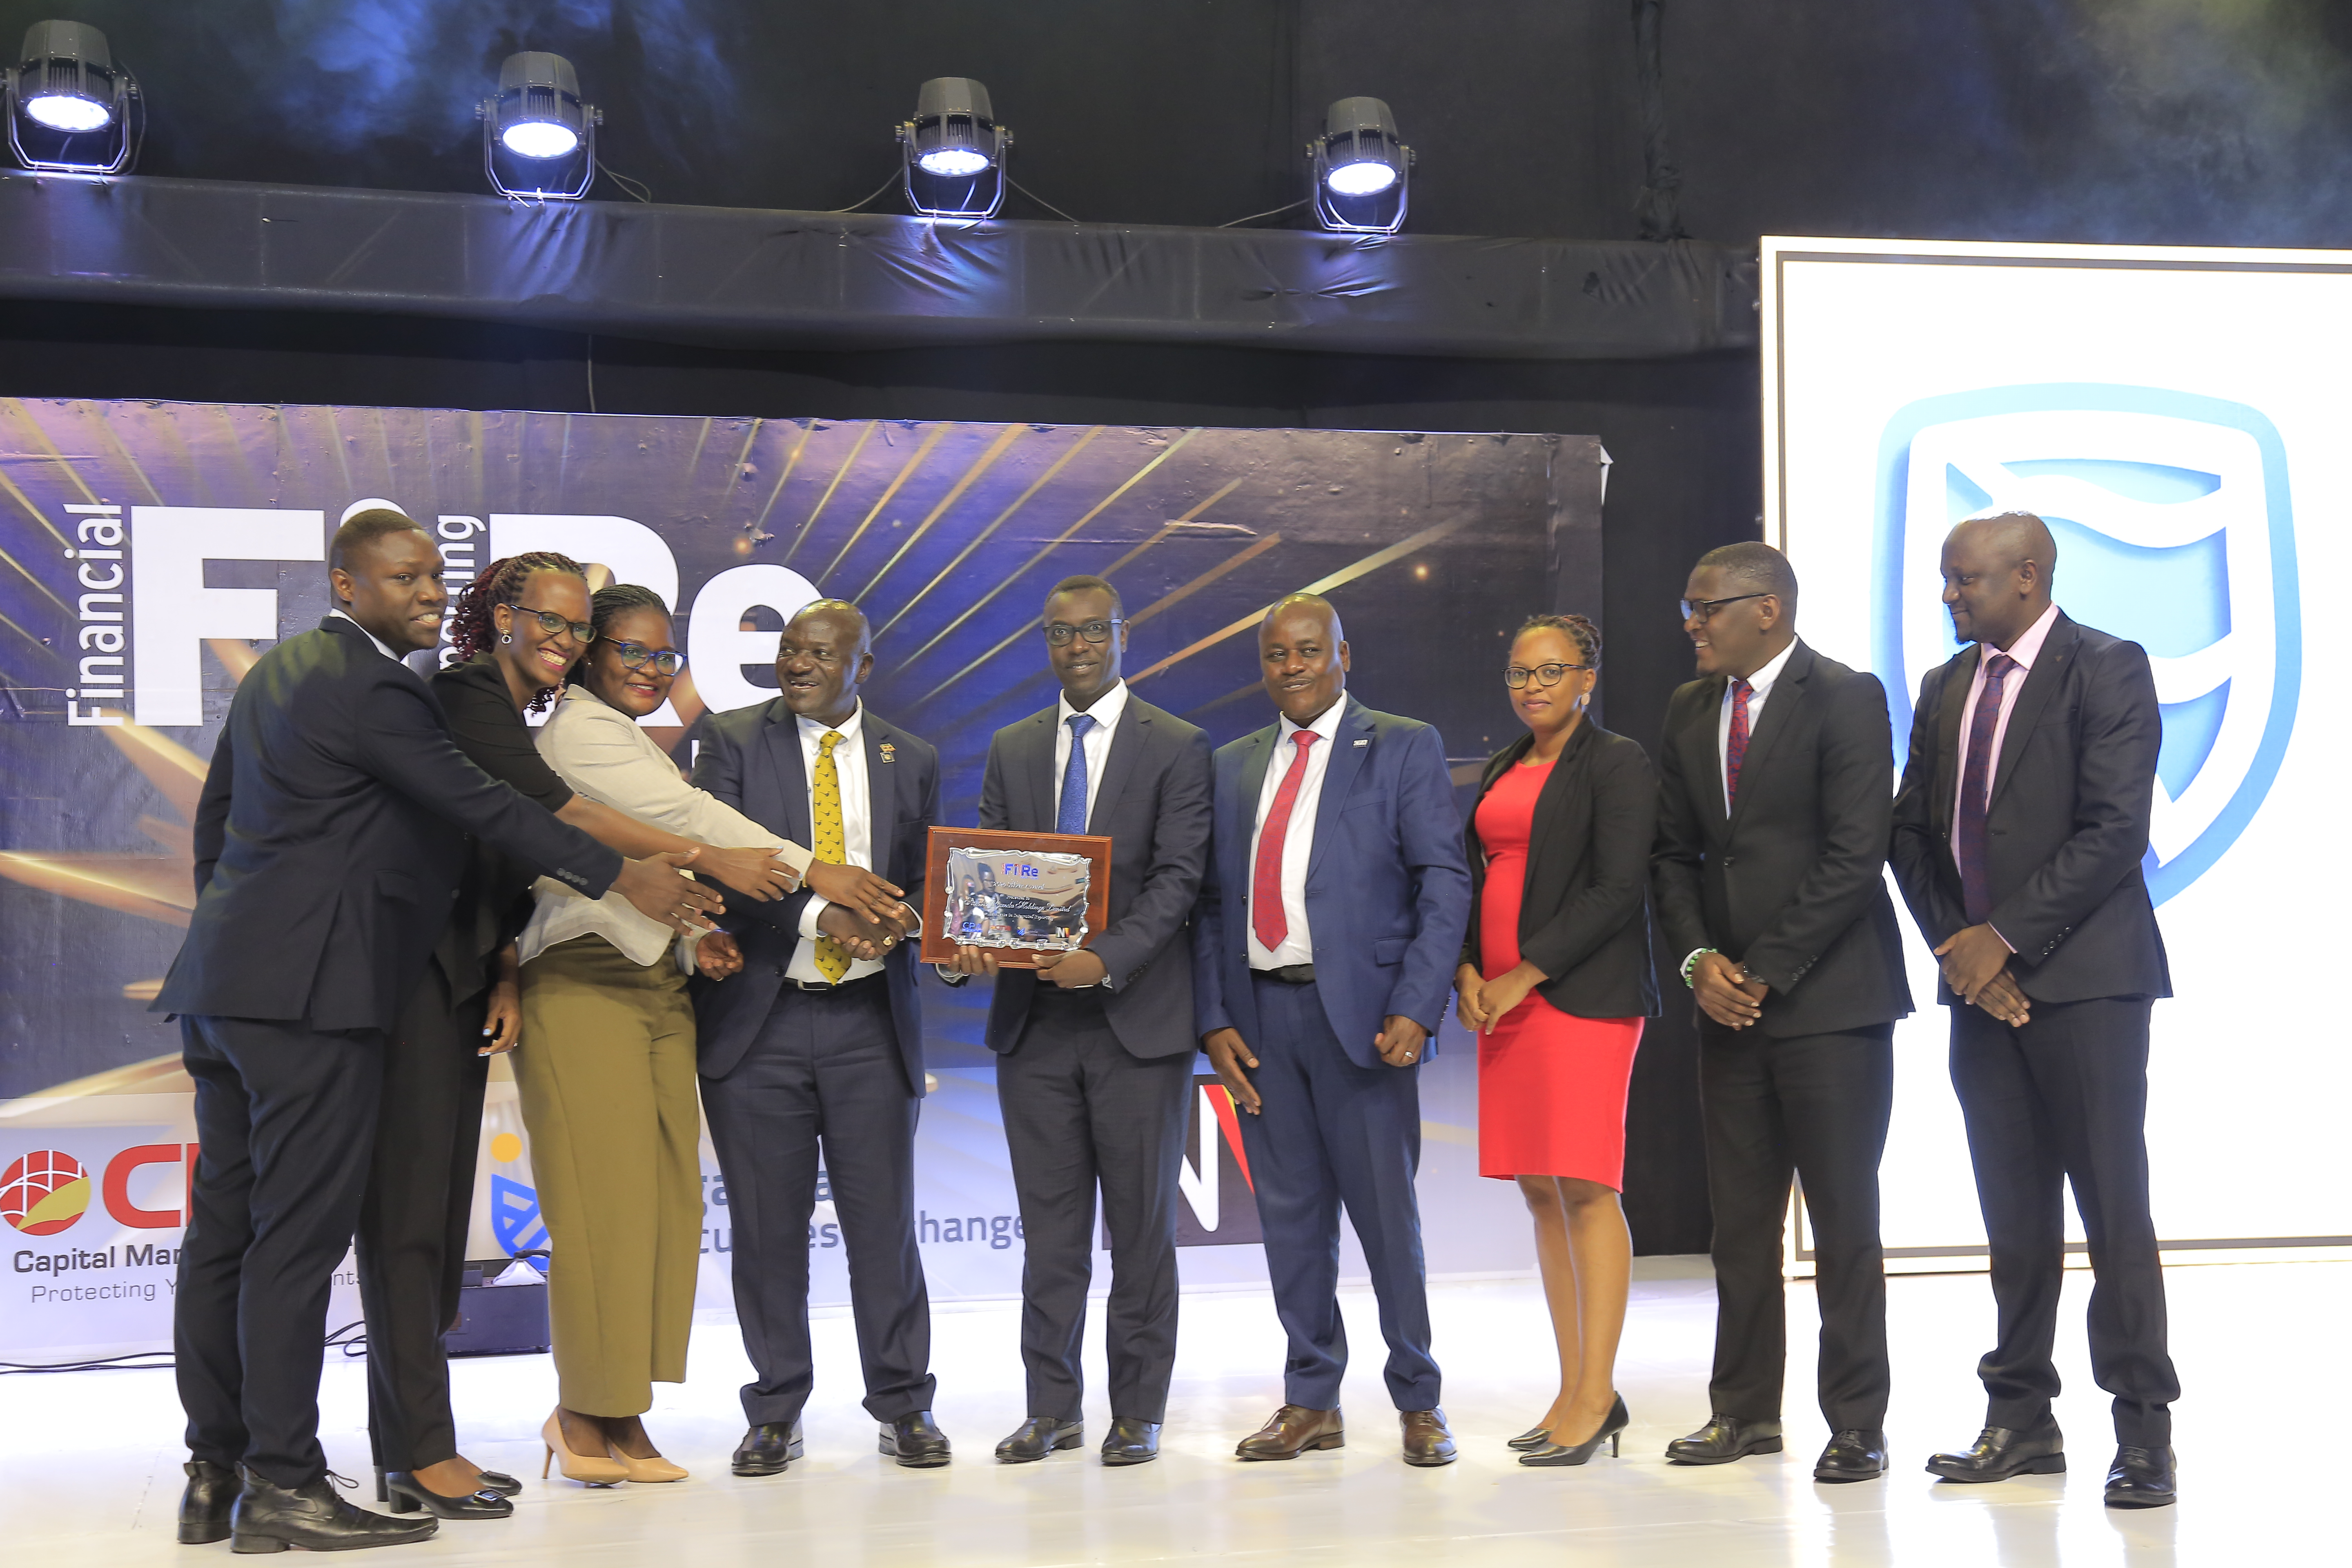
{"x": 1556, "y": 980}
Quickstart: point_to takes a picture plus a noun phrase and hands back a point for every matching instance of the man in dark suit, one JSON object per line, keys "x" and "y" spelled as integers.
{"x": 1769, "y": 879}
{"x": 1328, "y": 926}
{"x": 1096, "y": 1046}
{"x": 819, "y": 1040}
{"x": 328, "y": 842}
{"x": 2019, "y": 835}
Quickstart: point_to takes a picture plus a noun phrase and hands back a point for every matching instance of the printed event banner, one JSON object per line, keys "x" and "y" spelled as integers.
{"x": 149, "y": 552}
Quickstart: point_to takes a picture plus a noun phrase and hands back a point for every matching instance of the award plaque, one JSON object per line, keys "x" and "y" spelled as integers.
{"x": 1023, "y": 896}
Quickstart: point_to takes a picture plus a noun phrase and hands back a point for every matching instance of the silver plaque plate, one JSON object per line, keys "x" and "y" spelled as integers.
{"x": 1026, "y": 899}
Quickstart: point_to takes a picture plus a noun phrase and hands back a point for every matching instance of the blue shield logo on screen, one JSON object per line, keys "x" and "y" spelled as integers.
{"x": 2175, "y": 529}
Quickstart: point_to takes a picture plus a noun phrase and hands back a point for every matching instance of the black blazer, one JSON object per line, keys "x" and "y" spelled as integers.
{"x": 1153, "y": 803}
{"x": 1792, "y": 884}
{"x": 750, "y": 758}
{"x": 2067, "y": 822}
{"x": 1584, "y": 907}
{"x": 330, "y": 837}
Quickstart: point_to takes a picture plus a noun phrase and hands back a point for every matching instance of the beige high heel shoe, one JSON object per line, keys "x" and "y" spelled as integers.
{"x": 653, "y": 1469}
{"x": 590, "y": 1469}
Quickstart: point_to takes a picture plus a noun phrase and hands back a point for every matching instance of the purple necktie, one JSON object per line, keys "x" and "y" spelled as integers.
{"x": 1976, "y": 779}
{"x": 1735, "y": 745}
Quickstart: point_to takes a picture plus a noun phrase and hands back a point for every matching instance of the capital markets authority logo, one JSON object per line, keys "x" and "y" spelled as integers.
{"x": 44, "y": 1192}
{"x": 2175, "y": 529}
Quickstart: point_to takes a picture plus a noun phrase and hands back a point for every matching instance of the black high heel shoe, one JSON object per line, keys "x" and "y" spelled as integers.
{"x": 406, "y": 1494}
{"x": 1577, "y": 1454}
{"x": 1529, "y": 1441}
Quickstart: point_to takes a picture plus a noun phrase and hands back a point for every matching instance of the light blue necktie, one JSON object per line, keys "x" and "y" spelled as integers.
{"x": 1071, "y": 816}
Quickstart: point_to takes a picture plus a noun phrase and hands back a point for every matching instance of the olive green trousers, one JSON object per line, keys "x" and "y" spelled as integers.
{"x": 605, "y": 1072}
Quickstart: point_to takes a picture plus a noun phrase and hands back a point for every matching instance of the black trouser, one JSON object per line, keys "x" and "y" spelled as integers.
{"x": 286, "y": 1116}
{"x": 825, "y": 1069}
{"x": 1081, "y": 1113}
{"x": 413, "y": 1221}
{"x": 1815, "y": 1105}
{"x": 2065, "y": 1099}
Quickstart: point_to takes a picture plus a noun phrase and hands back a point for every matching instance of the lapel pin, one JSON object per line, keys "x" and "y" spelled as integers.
{"x": 1365, "y": 741}
{"x": 889, "y": 752}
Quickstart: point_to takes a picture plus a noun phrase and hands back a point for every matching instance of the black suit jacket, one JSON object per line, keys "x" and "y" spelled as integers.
{"x": 1792, "y": 884}
{"x": 1584, "y": 906}
{"x": 750, "y": 758}
{"x": 1153, "y": 803}
{"x": 2066, "y": 823}
{"x": 331, "y": 837}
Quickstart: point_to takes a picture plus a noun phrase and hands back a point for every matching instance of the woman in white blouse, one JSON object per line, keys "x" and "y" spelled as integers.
{"x": 607, "y": 1068}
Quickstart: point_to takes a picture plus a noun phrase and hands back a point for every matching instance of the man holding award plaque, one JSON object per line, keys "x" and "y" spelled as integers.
{"x": 1095, "y": 1043}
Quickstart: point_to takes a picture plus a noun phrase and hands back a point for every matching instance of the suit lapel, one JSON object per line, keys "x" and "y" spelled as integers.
{"x": 2041, "y": 682}
{"x": 1034, "y": 758}
{"x": 1779, "y": 712}
{"x": 1703, "y": 758}
{"x": 882, "y": 793}
{"x": 792, "y": 773}
{"x": 1127, "y": 743}
{"x": 1349, "y": 748}
{"x": 1959, "y": 675}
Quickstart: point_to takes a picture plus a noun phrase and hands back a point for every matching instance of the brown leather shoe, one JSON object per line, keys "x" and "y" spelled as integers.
{"x": 1426, "y": 1440}
{"x": 1293, "y": 1430}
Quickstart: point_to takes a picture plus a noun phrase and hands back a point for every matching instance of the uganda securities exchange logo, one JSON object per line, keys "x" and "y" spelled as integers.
{"x": 2175, "y": 529}
{"x": 44, "y": 1192}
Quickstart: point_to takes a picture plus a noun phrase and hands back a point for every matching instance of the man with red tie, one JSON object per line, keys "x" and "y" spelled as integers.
{"x": 1768, "y": 879}
{"x": 2019, "y": 835}
{"x": 1323, "y": 955}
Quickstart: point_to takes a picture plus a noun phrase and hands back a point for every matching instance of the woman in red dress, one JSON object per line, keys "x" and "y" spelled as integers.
{"x": 1556, "y": 980}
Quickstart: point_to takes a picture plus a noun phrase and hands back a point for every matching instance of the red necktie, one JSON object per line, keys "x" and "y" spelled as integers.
{"x": 1735, "y": 745}
{"x": 1266, "y": 918}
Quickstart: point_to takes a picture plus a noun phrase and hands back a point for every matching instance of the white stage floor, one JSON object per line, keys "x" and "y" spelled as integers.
{"x": 89, "y": 1462}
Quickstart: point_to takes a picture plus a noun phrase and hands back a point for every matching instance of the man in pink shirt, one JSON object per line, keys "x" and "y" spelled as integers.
{"x": 2019, "y": 834}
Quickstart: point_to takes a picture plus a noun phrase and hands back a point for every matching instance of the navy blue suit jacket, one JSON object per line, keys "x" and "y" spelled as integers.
{"x": 1153, "y": 805}
{"x": 751, "y": 759}
{"x": 1388, "y": 888}
{"x": 331, "y": 837}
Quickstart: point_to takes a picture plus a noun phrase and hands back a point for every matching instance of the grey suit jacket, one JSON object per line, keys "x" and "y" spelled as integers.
{"x": 1153, "y": 805}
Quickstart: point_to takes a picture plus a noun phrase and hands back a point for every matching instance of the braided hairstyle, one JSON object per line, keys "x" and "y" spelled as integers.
{"x": 608, "y": 604}
{"x": 474, "y": 629}
{"x": 1577, "y": 630}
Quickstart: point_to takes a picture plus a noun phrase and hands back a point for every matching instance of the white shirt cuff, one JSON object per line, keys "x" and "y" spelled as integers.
{"x": 809, "y": 912}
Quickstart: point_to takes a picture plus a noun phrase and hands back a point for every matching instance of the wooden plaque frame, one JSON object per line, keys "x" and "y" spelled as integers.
{"x": 939, "y": 947}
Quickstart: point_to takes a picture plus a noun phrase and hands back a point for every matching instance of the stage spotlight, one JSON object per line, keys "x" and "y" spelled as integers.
{"x": 71, "y": 107}
{"x": 539, "y": 139}
{"x": 1362, "y": 172}
{"x": 953, "y": 151}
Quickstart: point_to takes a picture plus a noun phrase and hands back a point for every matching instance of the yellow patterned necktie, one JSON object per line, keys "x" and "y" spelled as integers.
{"x": 832, "y": 844}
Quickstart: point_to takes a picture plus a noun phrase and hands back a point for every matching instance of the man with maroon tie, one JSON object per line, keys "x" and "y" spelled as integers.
{"x": 2019, "y": 835}
{"x": 1769, "y": 876}
{"x": 1323, "y": 954}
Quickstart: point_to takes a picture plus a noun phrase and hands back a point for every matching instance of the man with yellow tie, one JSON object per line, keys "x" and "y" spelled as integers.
{"x": 818, "y": 1040}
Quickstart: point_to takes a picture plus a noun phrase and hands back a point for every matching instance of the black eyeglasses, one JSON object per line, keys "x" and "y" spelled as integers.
{"x": 1515, "y": 675}
{"x": 551, "y": 623}
{"x": 1704, "y": 609}
{"x": 1060, "y": 633}
{"x": 637, "y": 656}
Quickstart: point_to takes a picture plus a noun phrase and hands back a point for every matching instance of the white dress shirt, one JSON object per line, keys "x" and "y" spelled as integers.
{"x": 1105, "y": 714}
{"x": 601, "y": 754}
{"x": 856, "y": 833}
{"x": 2024, "y": 650}
{"x": 1298, "y": 839}
{"x": 1760, "y": 685}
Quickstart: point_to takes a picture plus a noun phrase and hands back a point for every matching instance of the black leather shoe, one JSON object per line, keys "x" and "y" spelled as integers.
{"x": 2001, "y": 1452}
{"x": 1853, "y": 1455}
{"x": 406, "y": 1494}
{"x": 766, "y": 1449}
{"x": 1038, "y": 1436}
{"x": 501, "y": 1483}
{"x": 915, "y": 1441}
{"x": 2140, "y": 1478}
{"x": 1130, "y": 1442}
{"x": 1612, "y": 1427}
{"x": 270, "y": 1518}
{"x": 1724, "y": 1438}
{"x": 204, "y": 1507}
